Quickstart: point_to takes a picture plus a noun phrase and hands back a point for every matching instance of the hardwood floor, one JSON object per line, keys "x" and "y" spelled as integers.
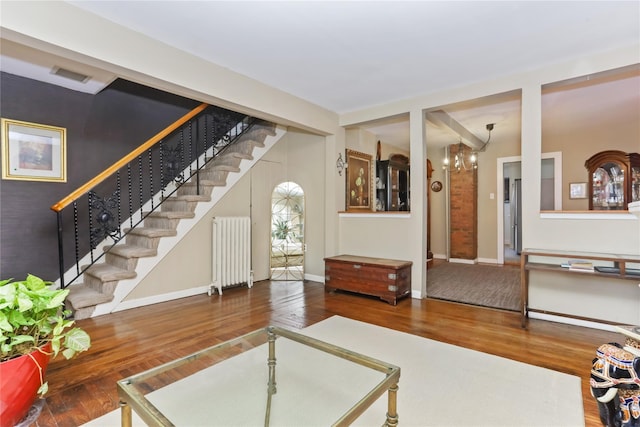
{"x": 132, "y": 341}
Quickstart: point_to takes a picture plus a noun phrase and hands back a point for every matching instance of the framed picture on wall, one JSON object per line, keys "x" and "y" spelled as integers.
{"x": 33, "y": 152}
{"x": 359, "y": 176}
{"x": 578, "y": 190}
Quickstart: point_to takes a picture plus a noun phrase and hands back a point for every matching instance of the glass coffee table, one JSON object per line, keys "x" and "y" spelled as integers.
{"x": 272, "y": 376}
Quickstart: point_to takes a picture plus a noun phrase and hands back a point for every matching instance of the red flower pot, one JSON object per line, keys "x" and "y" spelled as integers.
{"x": 20, "y": 379}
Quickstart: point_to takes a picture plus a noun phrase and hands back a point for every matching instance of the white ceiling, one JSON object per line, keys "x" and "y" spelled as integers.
{"x": 349, "y": 55}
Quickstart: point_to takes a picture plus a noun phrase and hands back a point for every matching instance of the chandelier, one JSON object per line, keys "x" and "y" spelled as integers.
{"x": 459, "y": 161}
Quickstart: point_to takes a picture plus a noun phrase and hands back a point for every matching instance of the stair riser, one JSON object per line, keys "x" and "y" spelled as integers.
{"x": 226, "y": 161}
{"x": 83, "y": 313}
{"x": 241, "y": 151}
{"x": 143, "y": 241}
{"x": 189, "y": 189}
{"x": 161, "y": 223}
{"x": 258, "y": 133}
{"x": 124, "y": 263}
{"x": 245, "y": 146}
{"x": 96, "y": 284}
{"x": 214, "y": 175}
{"x": 178, "y": 206}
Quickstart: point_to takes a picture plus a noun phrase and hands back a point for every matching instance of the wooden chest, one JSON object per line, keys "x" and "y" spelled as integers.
{"x": 387, "y": 279}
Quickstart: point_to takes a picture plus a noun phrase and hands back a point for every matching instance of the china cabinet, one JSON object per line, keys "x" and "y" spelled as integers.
{"x": 392, "y": 185}
{"x": 614, "y": 180}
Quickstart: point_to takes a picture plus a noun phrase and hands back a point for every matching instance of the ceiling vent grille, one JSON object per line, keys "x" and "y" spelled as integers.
{"x": 71, "y": 75}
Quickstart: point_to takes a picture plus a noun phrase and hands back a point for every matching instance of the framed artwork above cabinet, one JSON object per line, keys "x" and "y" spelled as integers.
{"x": 614, "y": 180}
{"x": 358, "y": 181}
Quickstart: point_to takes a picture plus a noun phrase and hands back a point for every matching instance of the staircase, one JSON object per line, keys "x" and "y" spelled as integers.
{"x": 101, "y": 280}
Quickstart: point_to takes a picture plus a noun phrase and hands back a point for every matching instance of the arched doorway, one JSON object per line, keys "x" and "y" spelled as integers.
{"x": 287, "y": 232}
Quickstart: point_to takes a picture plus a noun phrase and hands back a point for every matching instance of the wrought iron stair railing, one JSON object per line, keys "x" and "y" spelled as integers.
{"x": 105, "y": 209}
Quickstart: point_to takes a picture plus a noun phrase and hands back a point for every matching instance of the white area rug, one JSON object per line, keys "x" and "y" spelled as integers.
{"x": 440, "y": 385}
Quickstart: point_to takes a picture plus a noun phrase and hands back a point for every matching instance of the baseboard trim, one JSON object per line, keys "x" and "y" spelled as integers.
{"x": 572, "y": 321}
{"x": 463, "y": 261}
{"x": 155, "y": 299}
{"x": 314, "y": 278}
{"x": 488, "y": 260}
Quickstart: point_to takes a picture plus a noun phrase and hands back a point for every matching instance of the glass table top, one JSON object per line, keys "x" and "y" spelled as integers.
{"x": 272, "y": 376}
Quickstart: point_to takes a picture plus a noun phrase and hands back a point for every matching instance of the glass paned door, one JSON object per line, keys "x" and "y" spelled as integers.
{"x": 287, "y": 232}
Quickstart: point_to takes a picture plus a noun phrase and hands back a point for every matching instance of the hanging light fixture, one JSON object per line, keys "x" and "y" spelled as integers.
{"x": 459, "y": 162}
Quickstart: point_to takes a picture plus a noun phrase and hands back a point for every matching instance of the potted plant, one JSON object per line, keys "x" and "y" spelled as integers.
{"x": 281, "y": 229}
{"x": 34, "y": 327}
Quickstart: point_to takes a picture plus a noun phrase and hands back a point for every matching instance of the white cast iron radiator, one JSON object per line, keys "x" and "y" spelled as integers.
{"x": 231, "y": 252}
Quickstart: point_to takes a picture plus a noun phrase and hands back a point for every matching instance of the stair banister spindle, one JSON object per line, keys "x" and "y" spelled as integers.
{"x": 197, "y": 138}
{"x": 151, "y": 192}
{"x": 119, "y": 197}
{"x": 90, "y": 210}
{"x": 190, "y": 148}
{"x": 60, "y": 249}
{"x": 130, "y": 195}
{"x": 76, "y": 237}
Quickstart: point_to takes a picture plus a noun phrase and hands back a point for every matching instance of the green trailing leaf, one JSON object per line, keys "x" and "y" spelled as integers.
{"x": 7, "y": 295}
{"x": 56, "y": 344}
{"x": 44, "y": 388}
{"x": 35, "y": 283}
{"x": 58, "y": 299}
{"x": 19, "y": 339}
{"x": 4, "y": 323}
{"x": 78, "y": 340}
{"x": 24, "y": 302}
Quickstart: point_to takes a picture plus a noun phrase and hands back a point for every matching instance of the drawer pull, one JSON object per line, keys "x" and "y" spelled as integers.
{"x": 357, "y": 266}
{"x": 393, "y": 288}
{"x": 392, "y": 276}
{"x": 327, "y": 278}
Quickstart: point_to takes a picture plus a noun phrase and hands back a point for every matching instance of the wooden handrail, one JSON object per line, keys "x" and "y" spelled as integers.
{"x": 126, "y": 159}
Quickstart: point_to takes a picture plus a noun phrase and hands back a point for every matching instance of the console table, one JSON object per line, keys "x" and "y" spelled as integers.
{"x": 387, "y": 279}
{"x": 610, "y": 266}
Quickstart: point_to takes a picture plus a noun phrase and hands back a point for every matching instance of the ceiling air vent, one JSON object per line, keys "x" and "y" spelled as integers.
{"x": 68, "y": 74}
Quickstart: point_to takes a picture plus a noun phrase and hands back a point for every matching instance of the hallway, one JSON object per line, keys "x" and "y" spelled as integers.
{"x": 483, "y": 285}
{"x": 510, "y": 256}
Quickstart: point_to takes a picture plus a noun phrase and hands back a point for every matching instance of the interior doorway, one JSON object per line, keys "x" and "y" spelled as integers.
{"x": 512, "y": 212}
{"x": 287, "y": 232}
{"x": 510, "y": 195}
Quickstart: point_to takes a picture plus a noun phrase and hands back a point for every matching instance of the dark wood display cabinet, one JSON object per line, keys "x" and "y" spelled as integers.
{"x": 614, "y": 180}
{"x": 392, "y": 185}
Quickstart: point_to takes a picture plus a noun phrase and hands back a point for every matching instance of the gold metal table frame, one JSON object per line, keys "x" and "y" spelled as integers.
{"x": 133, "y": 390}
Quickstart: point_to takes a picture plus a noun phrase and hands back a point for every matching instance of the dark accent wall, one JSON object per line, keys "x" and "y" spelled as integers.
{"x": 101, "y": 129}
